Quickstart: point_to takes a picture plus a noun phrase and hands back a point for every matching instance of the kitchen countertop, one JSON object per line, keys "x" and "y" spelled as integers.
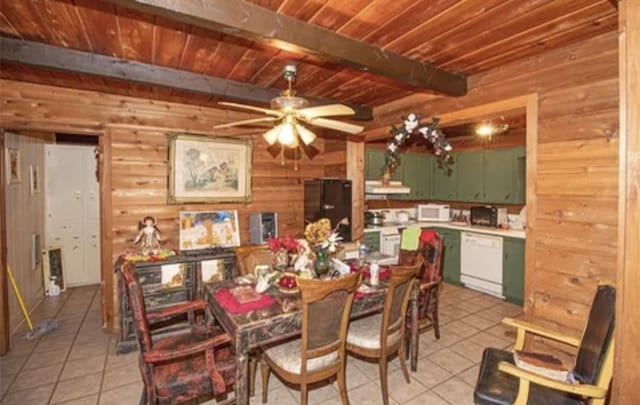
{"x": 510, "y": 233}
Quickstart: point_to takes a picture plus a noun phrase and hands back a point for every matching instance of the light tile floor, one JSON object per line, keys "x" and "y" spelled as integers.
{"x": 78, "y": 364}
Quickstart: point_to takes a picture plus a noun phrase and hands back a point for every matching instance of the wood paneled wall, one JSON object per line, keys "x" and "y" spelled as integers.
{"x": 25, "y": 217}
{"x": 576, "y": 173}
{"x": 135, "y": 161}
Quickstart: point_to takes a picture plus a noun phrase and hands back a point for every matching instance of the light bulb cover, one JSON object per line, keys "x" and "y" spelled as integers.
{"x": 306, "y": 135}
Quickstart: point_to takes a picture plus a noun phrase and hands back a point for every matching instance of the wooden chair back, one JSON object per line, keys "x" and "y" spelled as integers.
{"x": 397, "y": 299}
{"x": 430, "y": 247}
{"x": 594, "y": 361}
{"x": 136, "y": 303}
{"x": 248, "y": 257}
{"x": 326, "y": 306}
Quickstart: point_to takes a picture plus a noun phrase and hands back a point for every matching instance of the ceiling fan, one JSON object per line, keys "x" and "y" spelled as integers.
{"x": 290, "y": 113}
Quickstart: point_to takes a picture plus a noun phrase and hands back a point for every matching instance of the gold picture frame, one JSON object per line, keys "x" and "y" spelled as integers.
{"x": 209, "y": 170}
{"x": 13, "y": 166}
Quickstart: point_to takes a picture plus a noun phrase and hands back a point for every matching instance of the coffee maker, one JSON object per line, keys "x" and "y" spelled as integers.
{"x": 262, "y": 226}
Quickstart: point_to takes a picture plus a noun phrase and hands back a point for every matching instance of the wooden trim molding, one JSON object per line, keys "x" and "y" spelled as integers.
{"x": 249, "y": 21}
{"x": 627, "y": 369}
{"x": 5, "y": 334}
{"x": 107, "y": 276}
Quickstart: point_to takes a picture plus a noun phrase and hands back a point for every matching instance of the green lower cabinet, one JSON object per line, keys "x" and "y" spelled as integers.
{"x": 451, "y": 263}
{"x": 513, "y": 270}
{"x": 372, "y": 241}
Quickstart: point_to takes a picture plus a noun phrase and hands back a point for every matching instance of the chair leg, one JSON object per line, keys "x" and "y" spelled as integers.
{"x": 383, "y": 379}
{"x": 266, "y": 370}
{"x": 304, "y": 394}
{"x": 436, "y": 322}
{"x": 253, "y": 365}
{"x": 403, "y": 363}
{"x": 342, "y": 385}
{"x": 143, "y": 397}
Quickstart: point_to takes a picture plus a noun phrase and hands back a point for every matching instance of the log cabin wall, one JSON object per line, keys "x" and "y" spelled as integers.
{"x": 574, "y": 234}
{"x": 135, "y": 158}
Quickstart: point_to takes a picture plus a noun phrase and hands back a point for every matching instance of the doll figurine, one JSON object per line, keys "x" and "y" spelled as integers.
{"x": 148, "y": 235}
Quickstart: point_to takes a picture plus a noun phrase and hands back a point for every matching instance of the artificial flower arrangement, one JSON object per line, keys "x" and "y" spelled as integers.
{"x": 323, "y": 241}
{"x": 284, "y": 250}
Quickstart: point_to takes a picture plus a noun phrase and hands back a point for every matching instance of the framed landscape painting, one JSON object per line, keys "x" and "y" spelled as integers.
{"x": 208, "y": 170}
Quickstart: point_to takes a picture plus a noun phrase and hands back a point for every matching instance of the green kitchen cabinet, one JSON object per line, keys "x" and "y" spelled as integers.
{"x": 444, "y": 182}
{"x": 470, "y": 176}
{"x": 372, "y": 241}
{"x": 520, "y": 180}
{"x": 374, "y": 165}
{"x": 451, "y": 259}
{"x": 498, "y": 176}
{"x": 417, "y": 170}
{"x": 513, "y": 270}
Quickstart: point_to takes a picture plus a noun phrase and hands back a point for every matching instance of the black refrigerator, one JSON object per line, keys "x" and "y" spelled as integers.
{"x": 329, "y": 198}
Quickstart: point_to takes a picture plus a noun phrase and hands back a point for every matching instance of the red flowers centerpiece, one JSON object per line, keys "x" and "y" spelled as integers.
{"x": 281, "y": 249}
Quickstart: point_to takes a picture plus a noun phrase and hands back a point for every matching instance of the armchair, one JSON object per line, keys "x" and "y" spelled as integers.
{"x": 501, "y": 382}
{"x": 181, "y": 367}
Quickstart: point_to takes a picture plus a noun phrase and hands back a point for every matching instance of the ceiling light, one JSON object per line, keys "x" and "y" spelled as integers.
{"x": 306, "y": 135}
{"x": 487, "y": 129}
{"x": 287, "y": 134}
{"x": 271, "y": 136}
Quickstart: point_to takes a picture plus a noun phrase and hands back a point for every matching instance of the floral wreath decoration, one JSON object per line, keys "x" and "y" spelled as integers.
{"x": 412, "y": 125}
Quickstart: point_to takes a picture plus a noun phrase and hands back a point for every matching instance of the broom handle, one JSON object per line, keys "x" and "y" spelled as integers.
{"x": 19, "y": 296}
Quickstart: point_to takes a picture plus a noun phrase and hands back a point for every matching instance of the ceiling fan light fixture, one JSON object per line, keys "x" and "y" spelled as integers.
{"x": 287, "y": 135}
{"x": 306, "y": 135}
{"x": 272, "y": 135}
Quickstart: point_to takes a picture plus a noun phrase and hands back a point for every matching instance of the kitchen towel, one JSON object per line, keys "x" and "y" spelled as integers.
{"x": 410, "y": 239}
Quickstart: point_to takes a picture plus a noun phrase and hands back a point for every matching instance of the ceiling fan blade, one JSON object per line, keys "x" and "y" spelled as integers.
{"x": 306, "y": 135}
{"x": 337, "y": 125}
{"x": 252, "y": 108}
{"x": 326, "y": 111}
{"x": 245, "y": 122}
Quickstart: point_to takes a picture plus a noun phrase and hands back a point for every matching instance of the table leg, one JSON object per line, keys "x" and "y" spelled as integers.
{"x": 242, "y": 370}
{"x": 415, "y": 334}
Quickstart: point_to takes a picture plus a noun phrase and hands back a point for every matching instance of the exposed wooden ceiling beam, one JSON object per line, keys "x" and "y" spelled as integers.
{"x": 246, "y": 20}
{"x": 52, "y": 57}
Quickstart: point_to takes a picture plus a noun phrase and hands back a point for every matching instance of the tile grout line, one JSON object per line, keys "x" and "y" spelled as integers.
{"x": 75, "y": 336}
{"x": 32, "y": 349}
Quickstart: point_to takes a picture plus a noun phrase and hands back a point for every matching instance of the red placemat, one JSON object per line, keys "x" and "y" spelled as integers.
{"x": 226, "y": 298}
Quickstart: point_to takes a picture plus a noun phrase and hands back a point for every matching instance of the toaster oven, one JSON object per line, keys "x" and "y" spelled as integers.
{"x": 488, "y": 216}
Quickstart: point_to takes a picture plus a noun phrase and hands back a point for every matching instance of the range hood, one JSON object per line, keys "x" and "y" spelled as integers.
{"x": 376, "y": 187}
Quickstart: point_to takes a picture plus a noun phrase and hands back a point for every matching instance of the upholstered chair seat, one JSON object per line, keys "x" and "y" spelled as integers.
{"x": 287, "y": 357}
{"x": 497, "y": 388}
{"x": 366, "y": 333}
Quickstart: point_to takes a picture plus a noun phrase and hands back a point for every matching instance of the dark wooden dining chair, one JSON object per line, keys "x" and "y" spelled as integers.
{"x": 500, "y": 381}
{"x": 181, "y": 367}
{"x": 249, "y": 256}
{"x": 381, "y": 335}
{"x": 320, "y": 353}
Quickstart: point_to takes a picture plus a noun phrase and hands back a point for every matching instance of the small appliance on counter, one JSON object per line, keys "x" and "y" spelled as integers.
{"x": 262, "y": 226}
{"x": 433, "y": 212}
{"x": 488, "y": 215}
{"x": 374, "y": 218}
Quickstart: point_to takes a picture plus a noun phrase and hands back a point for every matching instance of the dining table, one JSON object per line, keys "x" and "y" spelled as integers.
{"x": 277, "y": 319}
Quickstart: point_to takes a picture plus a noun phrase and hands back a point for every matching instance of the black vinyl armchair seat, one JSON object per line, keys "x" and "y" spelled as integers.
{"x": 497, "y": 388}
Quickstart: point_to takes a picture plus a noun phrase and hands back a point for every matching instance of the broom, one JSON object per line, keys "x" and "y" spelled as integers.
{"x": 44, "y": 327}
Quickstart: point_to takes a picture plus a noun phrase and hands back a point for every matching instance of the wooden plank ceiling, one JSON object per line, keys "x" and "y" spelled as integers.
{"x": 461, "y": 36}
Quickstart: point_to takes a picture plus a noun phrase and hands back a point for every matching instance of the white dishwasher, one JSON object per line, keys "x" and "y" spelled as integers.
{"x": 481, "y": 262}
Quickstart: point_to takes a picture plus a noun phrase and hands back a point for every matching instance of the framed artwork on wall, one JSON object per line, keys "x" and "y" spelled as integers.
{"x": 13, "y": 163}
{"x": 208, "y": 229}
{"x": 208, "y": 170}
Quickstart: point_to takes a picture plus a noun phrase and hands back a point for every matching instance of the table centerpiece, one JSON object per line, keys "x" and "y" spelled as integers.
{"x": 324, "y": 242}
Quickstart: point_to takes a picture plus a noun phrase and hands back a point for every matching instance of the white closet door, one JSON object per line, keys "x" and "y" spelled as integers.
{"x": 73, "y": 211}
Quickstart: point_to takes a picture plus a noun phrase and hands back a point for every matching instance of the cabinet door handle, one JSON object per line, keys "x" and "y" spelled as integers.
{"x": 328, "y": 207}
{"x": 507, "y": 196}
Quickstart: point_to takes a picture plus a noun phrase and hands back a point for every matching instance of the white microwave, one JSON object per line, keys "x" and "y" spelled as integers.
{"x": 433, "y": 212}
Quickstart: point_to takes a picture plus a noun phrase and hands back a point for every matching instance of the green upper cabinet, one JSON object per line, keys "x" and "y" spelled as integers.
{"x": 498, "y": 173}
{"x": 444, "y": 182}
{"x": 417, "y": 170}
{"x": 488, "y": 176}
{"x": 374, "y": 165}
{"x": 469, "y": 179}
